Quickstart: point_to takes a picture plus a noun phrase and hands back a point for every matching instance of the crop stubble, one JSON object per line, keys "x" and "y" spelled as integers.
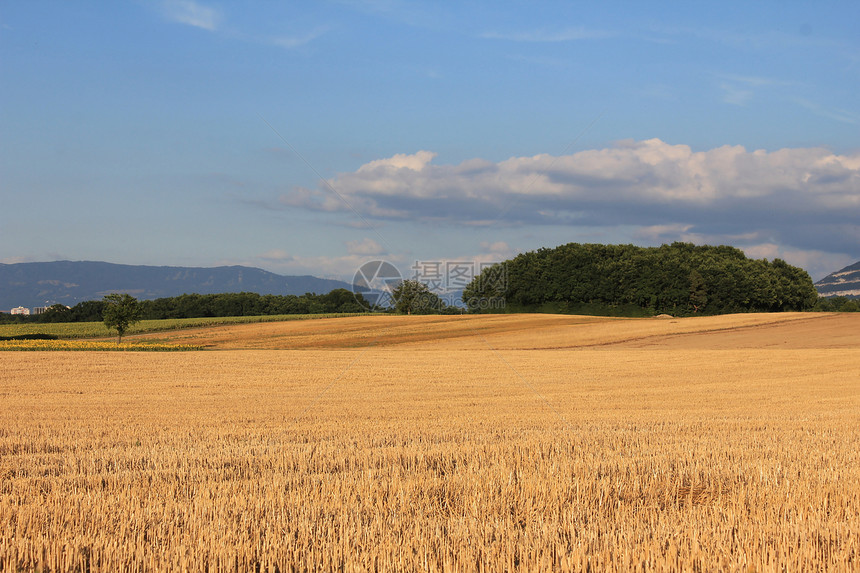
{"x": 409, "y": 457}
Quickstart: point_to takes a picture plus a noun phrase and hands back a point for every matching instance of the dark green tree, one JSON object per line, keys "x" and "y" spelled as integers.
{"x": 677, "y": 279}
{"x": 88, "y": 311}
{"x": 414, "y": 297}
{"x": 487, "y": 290}
{"x": 837, "y": 304}
{"x": 120, "y": 312}
{"x": 56, "y": 313}
{"x": 698, "y": 291}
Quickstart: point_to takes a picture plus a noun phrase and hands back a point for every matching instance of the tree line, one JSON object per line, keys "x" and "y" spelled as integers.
{"x": 680, "y": 279}
{"x": 837, "y": 304}
{"x": 209, "y": 305}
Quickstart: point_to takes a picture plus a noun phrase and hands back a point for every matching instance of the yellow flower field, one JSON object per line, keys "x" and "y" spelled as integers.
{"x": 42, "y": 345}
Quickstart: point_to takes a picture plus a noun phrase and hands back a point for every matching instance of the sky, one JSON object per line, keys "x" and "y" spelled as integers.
{"x": 312, "y": 137}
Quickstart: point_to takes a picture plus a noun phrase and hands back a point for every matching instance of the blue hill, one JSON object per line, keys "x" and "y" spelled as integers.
{"x": 71, "y": 282}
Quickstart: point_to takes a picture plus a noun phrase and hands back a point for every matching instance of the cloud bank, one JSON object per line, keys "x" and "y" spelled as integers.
{"x": 804, "y": 197}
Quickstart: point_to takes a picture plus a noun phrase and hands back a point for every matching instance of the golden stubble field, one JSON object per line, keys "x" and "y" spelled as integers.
{"x": 441, "y": 443}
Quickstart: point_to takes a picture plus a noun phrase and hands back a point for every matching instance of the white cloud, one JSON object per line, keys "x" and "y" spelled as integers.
{"x": 193, "y": 14}
{"x": 276, "y": 256}
{"x": 564, "y": 35}
{"x": 840, "y": 115}
{"x": 496, "y": 248}
{"x": 658, "y": 233}
{"x": 639, "y": 172}
{"x": 735, "y": 95}
{"x": 367, "y": 246}
{"x": 739, "y": 90}
{"x": 298, "y": 40}
{"x": 16, "y": 260}
{"x": 808, "y": 198}
{"x": 817, "y": 263}
{"x": 415, "y": 162}
{"x": 754, "y": 81}
{"x": 339, "y": 267}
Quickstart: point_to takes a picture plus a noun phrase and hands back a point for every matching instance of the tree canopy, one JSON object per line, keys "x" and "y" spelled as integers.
{"x": 120, "y": 312}
{"x": 679, "y": 279}
{"x": 253, "y": 304}
{"x": 414, "y": 297}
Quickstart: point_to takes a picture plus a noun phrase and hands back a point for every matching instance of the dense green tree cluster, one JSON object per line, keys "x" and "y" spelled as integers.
{"x": 203, "y": 305}
{"x": 253, "y": 304}
{"x": 837, "y": 304}
{"x": 678, "y": 279}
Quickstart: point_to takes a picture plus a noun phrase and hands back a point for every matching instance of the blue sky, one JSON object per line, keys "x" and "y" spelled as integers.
{"x": 310, "y": 137}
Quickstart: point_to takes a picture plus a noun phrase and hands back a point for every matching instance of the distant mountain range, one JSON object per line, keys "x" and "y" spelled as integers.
{"x": 71, "y": 282}
{"x": 845, "y": 282}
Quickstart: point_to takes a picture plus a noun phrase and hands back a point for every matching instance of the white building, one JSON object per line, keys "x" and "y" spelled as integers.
{"x": 20, "y": 310}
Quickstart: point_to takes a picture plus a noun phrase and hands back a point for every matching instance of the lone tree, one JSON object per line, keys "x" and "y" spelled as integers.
{"x": 120, "y": 312}
{"x": 414, "y": 297}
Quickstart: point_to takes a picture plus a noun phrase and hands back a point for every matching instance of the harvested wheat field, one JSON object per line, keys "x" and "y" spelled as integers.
{"x": 526, "y": 332}
{"x": 510, "y": 442}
